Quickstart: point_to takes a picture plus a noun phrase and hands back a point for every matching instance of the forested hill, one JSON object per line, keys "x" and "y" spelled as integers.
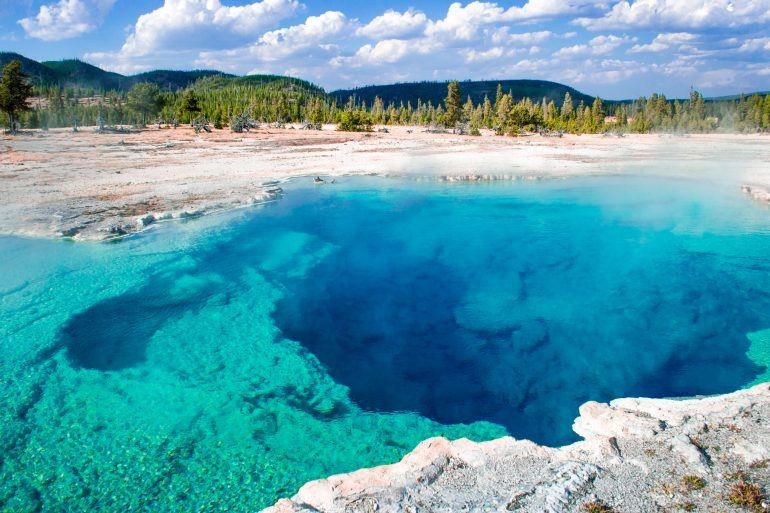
{"x": 435, "y": 92}
{"x": 74, "y": 73}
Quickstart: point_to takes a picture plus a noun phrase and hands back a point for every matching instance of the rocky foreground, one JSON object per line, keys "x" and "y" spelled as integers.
{"x": 638, "y": 455}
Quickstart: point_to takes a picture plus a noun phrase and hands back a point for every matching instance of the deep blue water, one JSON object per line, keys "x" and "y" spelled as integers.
{"x": 506, "y": 302}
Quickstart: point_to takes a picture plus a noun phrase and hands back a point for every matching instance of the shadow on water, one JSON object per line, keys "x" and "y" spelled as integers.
{"x": 114, "y": 333}
{"x": 489, "y": 309}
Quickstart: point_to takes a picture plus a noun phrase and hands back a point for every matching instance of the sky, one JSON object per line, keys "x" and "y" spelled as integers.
{"x": 615, "y": 49}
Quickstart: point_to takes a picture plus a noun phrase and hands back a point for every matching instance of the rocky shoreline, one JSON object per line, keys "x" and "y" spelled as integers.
{"x": 638, "y": 455}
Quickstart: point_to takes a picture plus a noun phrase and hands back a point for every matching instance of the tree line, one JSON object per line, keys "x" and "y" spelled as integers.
{"x": 219, "y": 99}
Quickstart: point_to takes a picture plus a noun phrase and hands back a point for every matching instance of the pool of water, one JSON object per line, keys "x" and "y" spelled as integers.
{"x": 221, "y": 363}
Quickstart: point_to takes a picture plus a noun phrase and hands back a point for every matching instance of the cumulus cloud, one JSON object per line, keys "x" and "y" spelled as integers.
{"x": 386, "y": 51}
{"x": 667, "y": 41}
{"x": 502, "y": 35}
{"x": 535, "y": 9}
{"x": 302, "y": 50}
{"x": 314, "y": 32}
{"x": 462, "y": 23}
{"x": 472, "y": 55}
{"x": 599, "y": 45}
{"x": 66, "y": 19}
{"x": 185, "y": 24}
{"x": 693, "y": 14}
{"x": 393, "y": 24}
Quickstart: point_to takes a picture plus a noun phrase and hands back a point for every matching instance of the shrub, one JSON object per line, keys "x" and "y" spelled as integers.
{"x": 355, "y": 121}
{"x": 596, "y": 507}
{"x": 746, "y": 495}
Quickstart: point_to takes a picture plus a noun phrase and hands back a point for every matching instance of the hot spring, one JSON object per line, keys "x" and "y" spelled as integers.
{"x": 223, "y": 362}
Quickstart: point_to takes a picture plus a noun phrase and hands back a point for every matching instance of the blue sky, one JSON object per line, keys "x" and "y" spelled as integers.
{"x": 612, "y": 48}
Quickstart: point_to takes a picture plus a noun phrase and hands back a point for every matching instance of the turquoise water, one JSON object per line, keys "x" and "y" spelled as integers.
{"x": 219, "y": 364}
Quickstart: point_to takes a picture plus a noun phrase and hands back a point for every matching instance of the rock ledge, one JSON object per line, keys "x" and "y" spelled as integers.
{"x": 637, "y": 455}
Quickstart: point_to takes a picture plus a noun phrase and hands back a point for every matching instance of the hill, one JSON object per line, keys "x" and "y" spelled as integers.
{"x": 76, "y": 73}
{"x": 435, "y": 92}
{"x": 32, "y": 68}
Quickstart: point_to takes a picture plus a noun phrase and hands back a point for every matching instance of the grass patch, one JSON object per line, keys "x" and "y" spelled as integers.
{"x": 691, "y": 482}
{"x": 596, "y": 507}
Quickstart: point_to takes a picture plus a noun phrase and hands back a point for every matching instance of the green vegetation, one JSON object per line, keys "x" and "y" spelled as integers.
{"x": 746, "y": 495}
{"x": 434, "y": 92}
{"x": 14, "y": 92}
{"x": 692, "y": 482}
{"x": 190, "y": 104}
{"x": 76, "y": 74}
{"x": 73, "y": 90}
{"x": 596, "y": 507}
{"x": 454, "y": 112}
{"x": 144, "y": 98}
{"x": 355, "y": 121}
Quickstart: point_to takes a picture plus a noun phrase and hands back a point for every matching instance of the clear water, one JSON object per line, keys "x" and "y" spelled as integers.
{"x": 219, "y": 364}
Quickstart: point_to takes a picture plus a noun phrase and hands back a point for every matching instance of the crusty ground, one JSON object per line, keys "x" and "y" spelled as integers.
{"x": 94, "y": 186}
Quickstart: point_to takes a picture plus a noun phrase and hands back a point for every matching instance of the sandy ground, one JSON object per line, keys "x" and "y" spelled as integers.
{"x": 91, "y": 186}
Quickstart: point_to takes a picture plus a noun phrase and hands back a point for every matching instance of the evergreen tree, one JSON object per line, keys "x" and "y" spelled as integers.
{"x": 498, "y": 96}
{"x": 144, "y": 98}
{"x": 567, "y": 108}
{"x": 190, "y": 104}
{"x": 15, "y": 89}
{"x": 597, "y": 112}
{"x": 453, "y": 104}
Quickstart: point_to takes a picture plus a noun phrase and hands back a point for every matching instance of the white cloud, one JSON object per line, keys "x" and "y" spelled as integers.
{"x": 501, "y": 36}
{"x": 693, "y": 14}
{"x": 535, "y": 9}
{"x": 757, "y": 44}
{"x": 393, "y": 24}
{"x": 190, "y": 24}
{"x": 385, "y": 51}
{"x": 314, "y": 31}
{"x": 300, "y": 50}
{"x": 472, "y": 55}
{"x": 66, "y": 19}
{"x": 599, "y": 45}
{"x": 462, "y": 23}
{"x": 665, "y": 41}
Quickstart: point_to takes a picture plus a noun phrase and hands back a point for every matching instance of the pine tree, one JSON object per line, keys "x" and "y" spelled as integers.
{"x": 597, "y": 112}
{"x": 15, "y": 89}
{"x": 503, "y": 114}
{"x": 190, "y": 104}
{"x": 452, "y": 103}
{"x": 567, "y": 109}
{"x": 144, "y": 98}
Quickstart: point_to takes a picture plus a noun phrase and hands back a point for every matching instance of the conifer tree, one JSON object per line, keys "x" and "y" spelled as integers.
{"x": 15, "y": 89}
{"x": 597, "y": 112}
{"x": 567, "y": 108}
{"x": 766, "y": 113}
{"x": 190, "y": 104}
{"x": 452, "y": 103}
{"x": 144, "y": 98}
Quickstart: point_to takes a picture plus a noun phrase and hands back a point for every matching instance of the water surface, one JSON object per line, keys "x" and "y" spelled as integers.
{"x": 219, "y": 364}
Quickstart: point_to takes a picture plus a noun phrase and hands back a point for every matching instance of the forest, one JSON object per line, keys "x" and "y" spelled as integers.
{"x": 219, "y": 99}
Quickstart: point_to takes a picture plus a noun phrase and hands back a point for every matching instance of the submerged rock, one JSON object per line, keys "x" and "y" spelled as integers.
{"x": 637, "y": 455}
